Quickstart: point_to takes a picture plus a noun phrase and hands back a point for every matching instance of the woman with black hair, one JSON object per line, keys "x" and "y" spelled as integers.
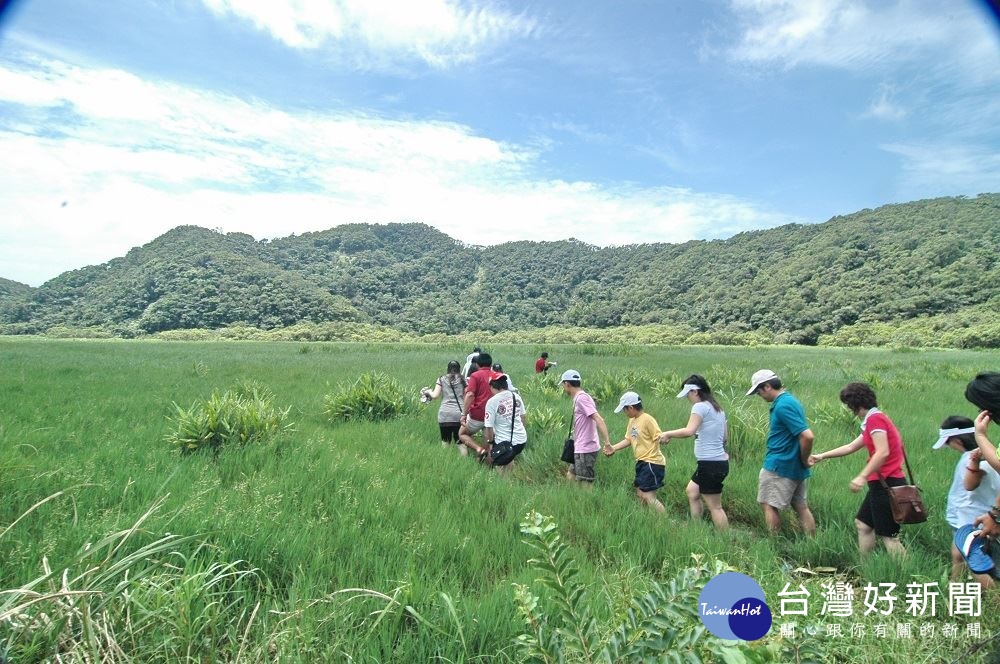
{"x": 707, "y": 424}
{"x": 884, "y": 469}
{"x": 451, "y": 388}
{"x": 983, "y": 391}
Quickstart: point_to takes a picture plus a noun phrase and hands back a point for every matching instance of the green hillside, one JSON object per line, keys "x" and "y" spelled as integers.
{"x": 927, "y": 259}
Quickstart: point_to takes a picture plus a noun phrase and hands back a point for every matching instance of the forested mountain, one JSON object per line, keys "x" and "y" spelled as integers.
{"x": 890, "y": 264}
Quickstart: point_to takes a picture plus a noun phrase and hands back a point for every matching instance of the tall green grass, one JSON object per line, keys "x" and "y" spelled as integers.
{"x": 382, "y": 508}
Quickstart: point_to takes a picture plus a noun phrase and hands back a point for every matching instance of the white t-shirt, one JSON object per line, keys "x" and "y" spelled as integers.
{"x": 964, "y": 506}
{"x": 498, "y": 412}
{"x": 709, "y": 440}
{"x": 468, "y": 363}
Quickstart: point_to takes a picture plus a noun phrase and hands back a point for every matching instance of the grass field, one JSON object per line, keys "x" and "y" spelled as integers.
{"x": 264, "y": 541}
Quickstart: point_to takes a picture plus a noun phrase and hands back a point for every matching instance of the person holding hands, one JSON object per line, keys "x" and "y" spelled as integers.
{"x": 884, "y": 469}
{"x": 642, "y": 434}
{"x": 707, "y": 424}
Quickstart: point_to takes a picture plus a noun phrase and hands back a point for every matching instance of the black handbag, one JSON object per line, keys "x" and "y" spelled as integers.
{"x": 499, "y": 449}
{"x": 569, "y": 445}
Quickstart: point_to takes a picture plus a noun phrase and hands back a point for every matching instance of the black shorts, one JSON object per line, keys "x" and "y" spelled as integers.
{"x": 648, "y": 476}
{"x": 709, "y": 476}
{"x": 449, "y": 431}
{"x": 876, "y": 511}
{"x": 506, "y": 458}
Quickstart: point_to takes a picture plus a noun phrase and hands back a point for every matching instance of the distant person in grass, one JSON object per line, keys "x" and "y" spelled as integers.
{"x": 883, "y": 469}
{"x": 782, "y": 480}
{"x": 542, "y": 364}
{"x": 973, "y": 486}
{"x": 587, "y": 424}
{"x": 477, "y": 393}
{"x": 707, "y": 423}
{"x": 451, "y": 388}
{"x": 642, "y": 434}
{"x": 470, "y": 362}
{"x": 504, "y": 434}
{"x": 984, "y": 392}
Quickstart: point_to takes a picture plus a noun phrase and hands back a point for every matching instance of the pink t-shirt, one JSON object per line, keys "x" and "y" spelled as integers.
{"x": 584, "y": 426}
{"x": 877, "y": 421}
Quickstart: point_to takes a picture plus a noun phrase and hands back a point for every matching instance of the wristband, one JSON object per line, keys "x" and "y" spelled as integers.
{"x": 974, "y": 470}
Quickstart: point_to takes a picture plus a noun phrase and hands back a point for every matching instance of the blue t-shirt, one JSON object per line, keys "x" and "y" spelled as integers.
{"x": 788, "y": 420}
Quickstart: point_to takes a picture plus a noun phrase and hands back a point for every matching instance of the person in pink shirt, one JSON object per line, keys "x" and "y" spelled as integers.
{"x": 587, "y": 423}
{"x": 884, "y": 469}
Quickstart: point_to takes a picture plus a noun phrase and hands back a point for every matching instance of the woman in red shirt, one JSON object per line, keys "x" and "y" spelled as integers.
{"x": 884, "y": 468}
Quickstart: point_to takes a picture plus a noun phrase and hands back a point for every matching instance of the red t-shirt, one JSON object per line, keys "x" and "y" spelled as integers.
{"x": 878, "y": 421}
{"x": 540, "y": 365}
{"x": 479, "y": 387}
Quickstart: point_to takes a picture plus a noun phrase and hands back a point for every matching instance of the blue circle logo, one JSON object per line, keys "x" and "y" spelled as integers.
{"x": 732, "y": 606}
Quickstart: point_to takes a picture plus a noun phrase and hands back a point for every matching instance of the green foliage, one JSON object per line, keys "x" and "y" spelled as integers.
{"x": 244, "y": 415}
{"x": 915, "y": 274}
{"x": 660, "y": 626}
{"x": 373, "y": 396}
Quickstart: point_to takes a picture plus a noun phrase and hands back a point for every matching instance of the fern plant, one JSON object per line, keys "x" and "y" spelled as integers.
{"x": 663, "y": 625}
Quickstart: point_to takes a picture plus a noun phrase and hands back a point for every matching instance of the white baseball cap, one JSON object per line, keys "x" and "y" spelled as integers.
{"x": 688, "y": 388}
{"x": 628, "y": 399}
{"x": 761, "y": 376}
{"x": 945, "y": 434}
{"x": 570, "y": 374}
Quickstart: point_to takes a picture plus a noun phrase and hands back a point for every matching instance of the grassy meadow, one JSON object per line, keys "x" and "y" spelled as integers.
{"x": 370, "y": 542}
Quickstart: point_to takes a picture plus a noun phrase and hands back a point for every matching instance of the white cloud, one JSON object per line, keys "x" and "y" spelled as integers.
{"x": 884, "y": 106}
{"x": 440, "y": 33}
{"x": 940, "y": 168}
{"x": 860, "y": 34}
{"x": 171, "y": 155}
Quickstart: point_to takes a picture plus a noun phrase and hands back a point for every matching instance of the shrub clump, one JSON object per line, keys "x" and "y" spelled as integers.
{"x": 243, "y": 415}
{"x": 373, "y": 396}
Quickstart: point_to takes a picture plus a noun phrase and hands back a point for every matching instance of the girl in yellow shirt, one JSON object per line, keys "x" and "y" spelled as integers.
{"x": 643, "y": 435}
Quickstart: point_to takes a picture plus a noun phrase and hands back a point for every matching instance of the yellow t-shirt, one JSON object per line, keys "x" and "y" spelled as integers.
{"x": 643, "y": 433}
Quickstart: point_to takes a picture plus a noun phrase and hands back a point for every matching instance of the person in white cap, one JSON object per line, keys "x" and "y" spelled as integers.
{"x": 643, "y": 435}
{"x": 707, "y": 423}
{"x": 587, "y": 423}
{"x": 782, "y": 480}
{"x": 974, "y": 486}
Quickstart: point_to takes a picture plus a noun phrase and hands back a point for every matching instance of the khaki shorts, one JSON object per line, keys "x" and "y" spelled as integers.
{"x": 779, "y": 492}
{"x": 473, "y": 426}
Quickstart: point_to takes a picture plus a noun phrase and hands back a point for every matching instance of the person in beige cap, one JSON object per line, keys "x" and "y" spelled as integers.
{"x": 782, "y": 480}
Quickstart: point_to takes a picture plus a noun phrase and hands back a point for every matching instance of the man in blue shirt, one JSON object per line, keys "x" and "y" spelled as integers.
{"x": 782, "y": 481}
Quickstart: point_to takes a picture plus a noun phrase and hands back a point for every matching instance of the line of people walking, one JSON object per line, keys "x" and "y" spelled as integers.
{"x": 485, "y": 402}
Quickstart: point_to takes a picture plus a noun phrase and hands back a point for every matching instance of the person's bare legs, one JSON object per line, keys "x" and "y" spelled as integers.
{"x": 468, "y": 441}
{"x": 693, "y": 492}
{"x": 805, "y": 518}
{"x": 866, "y": 537}
{"x": 570, "y": 475}
{"x": 957, "y": 563}
{"x": 649, "y": 498}
{"x": 719, "y": 518}
{"x": 894, "y": 546}
{"x": 772, "y": 517}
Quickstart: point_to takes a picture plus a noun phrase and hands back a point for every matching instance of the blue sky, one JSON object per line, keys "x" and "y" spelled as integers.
{"x": 612, "y": 122}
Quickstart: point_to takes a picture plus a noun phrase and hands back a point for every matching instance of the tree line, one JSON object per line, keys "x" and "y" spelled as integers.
{"x": 919, "y": 273}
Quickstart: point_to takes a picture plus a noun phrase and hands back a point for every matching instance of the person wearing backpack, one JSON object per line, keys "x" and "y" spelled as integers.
{"x": 451, "y": 388}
